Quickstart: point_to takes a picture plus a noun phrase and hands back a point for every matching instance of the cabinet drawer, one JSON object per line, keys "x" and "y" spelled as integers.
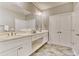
{"x": 11, "y": 52}
{"x": 37, "y": 36}
{"x": 4, "y": 46}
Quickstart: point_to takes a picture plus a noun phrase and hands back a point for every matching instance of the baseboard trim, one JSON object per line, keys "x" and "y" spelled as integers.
{"x": 59, "y": 44}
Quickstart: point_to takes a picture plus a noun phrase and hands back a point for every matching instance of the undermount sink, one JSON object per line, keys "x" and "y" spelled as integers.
{"x": 23, "y": 34}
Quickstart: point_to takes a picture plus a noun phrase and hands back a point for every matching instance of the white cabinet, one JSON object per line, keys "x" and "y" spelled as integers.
{"x": 27, "y": 46}
{"x": 54, "y": 28}
{"x": 11, "y": 52}
{"x": 39, "y": 40}
{"x": 20, "y": 50}
{"x": 23, "y": 46}
{"x": 60, "y": 29}
{"x": 18, "y": 47}
{"x": 10, "y": 44}
{"x": 66, "y": 29}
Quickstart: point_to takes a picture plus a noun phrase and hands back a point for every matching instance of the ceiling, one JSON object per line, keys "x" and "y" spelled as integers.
{"x": 14, "y": 7}
{"x": 47, "y": 5}
{"x": 29, "y": 7}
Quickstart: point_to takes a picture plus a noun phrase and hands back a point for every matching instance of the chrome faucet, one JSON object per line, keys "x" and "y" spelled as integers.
{"x": 11, "y": 33}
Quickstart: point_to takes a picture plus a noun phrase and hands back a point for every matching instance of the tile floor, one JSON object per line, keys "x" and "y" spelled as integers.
{"x": 53, "y": 50}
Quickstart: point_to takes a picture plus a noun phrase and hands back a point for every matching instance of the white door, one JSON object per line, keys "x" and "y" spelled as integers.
{"x": 65, "y": 26}
{"x": 75, "y": 32}
{"x": 60, "y": 29}
{"x": 54, "y": 28}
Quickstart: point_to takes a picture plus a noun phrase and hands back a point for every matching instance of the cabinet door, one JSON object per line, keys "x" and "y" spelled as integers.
{"x": 65, "y": 32}
{"x": 75, "y": 32}
{"x": 11, "y": 52}
{"x": 20, "y": 50}
{"x": 54, "y": 28}
{"x": 60, "y": 29}
{"x": 27, "y": 46}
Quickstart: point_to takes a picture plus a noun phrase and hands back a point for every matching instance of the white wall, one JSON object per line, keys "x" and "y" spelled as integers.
{"x": 15, "y": 20}
{"x": 7, "y": 17}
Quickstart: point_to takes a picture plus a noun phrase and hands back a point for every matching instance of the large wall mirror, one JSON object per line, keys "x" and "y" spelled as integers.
{"x": 21, "y": 24}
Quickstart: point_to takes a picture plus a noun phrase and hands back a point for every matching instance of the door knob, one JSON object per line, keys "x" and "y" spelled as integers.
{"x": 60, "y": 32}
{"x": 77, "y": 34}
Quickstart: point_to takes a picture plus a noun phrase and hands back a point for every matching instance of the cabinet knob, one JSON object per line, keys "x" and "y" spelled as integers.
{"x": 20, "y": 48}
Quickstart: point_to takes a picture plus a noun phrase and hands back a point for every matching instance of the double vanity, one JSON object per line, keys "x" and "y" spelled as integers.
{"x": 22, "y": 44}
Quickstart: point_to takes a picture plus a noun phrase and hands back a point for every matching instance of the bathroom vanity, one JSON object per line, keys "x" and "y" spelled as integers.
{"x": 22, "y": 44}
